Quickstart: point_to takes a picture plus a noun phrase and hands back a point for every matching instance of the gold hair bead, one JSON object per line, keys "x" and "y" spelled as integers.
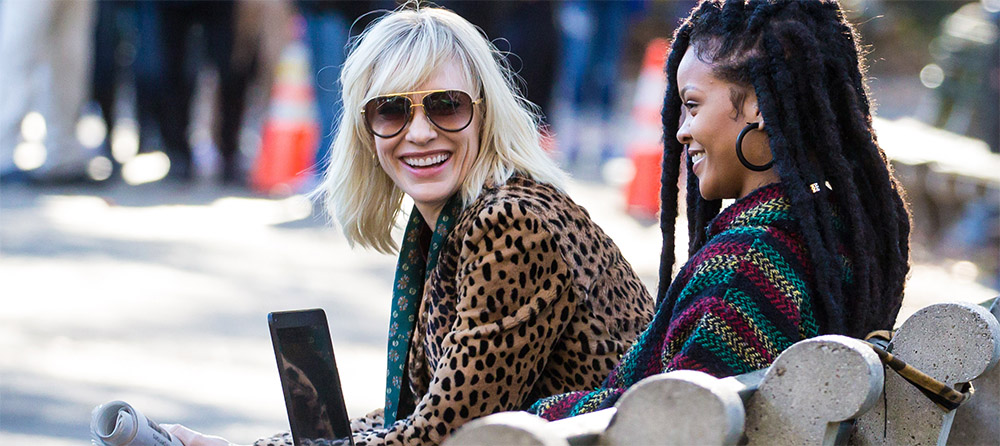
{"x": 814, "y": 188}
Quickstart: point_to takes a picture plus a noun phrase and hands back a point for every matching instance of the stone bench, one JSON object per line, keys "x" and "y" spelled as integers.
{"x": 978, "y": 421}
{"x": 824, "y": 390}
{"x": 952, "y": 343}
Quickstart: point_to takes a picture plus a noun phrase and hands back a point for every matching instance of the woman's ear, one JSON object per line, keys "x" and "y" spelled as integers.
{"x": 752, "y": 111}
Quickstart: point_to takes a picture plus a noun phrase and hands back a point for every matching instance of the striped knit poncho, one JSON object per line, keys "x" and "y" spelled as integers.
{"x": 738, "y": 302}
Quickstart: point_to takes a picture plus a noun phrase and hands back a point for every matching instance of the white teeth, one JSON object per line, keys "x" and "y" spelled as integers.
{"x": 426, "y": 161}
{"x": 695, "y": 157}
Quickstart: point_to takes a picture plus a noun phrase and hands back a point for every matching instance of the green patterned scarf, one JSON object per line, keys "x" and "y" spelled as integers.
{"x": 412, "y": 271}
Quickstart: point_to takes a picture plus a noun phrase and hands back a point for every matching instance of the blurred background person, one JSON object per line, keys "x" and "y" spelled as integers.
{"x": 114, "y": 36}
{"x": 329, "y": 24}
{"x": 45, "y": 49}
{"x": 592, "y": 37}
{"x": 186, "y": 46}
{"x": 525, "y": 32}
{"x": 127, "y": 65}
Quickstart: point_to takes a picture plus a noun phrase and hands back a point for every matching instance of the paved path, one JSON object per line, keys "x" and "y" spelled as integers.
{"x": 157, "y": 295}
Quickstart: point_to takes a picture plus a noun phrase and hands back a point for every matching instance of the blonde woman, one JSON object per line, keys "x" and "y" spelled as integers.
{"x": 505, "y": 290}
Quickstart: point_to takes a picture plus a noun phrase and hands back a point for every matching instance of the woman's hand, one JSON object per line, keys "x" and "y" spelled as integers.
{"x": 192, "y": 438}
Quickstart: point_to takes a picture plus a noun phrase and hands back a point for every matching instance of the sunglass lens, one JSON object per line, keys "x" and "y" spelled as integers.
{"x": 387, "y": 115}
{"x": 450, "y": 110}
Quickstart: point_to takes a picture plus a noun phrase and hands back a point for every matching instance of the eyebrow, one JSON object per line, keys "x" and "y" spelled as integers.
{"x": 686, "y": 88}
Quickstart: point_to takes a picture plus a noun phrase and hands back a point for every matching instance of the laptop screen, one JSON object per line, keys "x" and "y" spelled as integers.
{"x": 308, "y": 370}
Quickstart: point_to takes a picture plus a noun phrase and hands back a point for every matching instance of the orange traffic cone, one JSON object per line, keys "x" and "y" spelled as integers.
{"x": 642, "y": 195}
{"x": 291, "y": 132}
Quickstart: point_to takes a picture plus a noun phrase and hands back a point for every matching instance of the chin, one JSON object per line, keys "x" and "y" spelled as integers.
{"x": 709, "y": 197}
{"x": 715, "y": 191}
{"x": 429, "y": 198}
{"x": 707, "y": 193}
{"x": 432, "y": 195}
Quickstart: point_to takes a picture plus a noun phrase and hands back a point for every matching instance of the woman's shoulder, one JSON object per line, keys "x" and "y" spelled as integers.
{"x": 531, "y": 192}
{"x": 742, "y": 246}
{"x": 762, "y": 233}
{"x": 782, "y": 236}
{"x": 521, "y": 196}
{"x": 748, "y": 259}
{"x": 525, "y": 205}
{"x": 763, "y": 217}
{"x": 763, "y": 252}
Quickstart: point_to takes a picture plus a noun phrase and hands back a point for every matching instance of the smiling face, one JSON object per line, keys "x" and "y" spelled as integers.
{"x": 425, "y": 162}
{"x": 709, "y": 128}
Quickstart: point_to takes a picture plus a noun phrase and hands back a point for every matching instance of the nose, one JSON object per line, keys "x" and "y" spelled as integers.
{"x": 420, "y": 131}
{"x": 684, "y": 132}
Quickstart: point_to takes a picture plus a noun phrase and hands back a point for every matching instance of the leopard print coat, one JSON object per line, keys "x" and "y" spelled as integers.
{"x": 529, "y": 298}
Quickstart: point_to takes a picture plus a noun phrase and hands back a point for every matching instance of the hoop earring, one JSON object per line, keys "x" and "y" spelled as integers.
{"x": 739, "y": 150}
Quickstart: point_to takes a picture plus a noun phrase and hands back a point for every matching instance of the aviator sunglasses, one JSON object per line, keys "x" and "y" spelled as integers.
{"x": 449, "y": 110}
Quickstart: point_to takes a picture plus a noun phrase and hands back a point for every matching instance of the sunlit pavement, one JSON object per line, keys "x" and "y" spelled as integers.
{"x": 158, "y": 294}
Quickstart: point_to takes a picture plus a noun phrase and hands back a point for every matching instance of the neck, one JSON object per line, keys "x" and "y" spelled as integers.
{"x": 430, "y": 213}
{"x": 758, "y": 180}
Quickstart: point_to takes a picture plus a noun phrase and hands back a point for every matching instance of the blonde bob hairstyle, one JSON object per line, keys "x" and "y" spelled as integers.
{"x": 397, "y": 52}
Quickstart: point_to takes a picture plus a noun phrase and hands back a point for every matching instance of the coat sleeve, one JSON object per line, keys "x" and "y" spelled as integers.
{"x": 513, "y": 302}
{"x": 735, "y": 314}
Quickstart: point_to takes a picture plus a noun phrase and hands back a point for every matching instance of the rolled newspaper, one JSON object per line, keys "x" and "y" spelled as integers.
{"x": 118, "y": 424}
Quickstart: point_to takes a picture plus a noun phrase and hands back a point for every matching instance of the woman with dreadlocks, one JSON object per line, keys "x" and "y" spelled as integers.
{"x": 766, "y": 103}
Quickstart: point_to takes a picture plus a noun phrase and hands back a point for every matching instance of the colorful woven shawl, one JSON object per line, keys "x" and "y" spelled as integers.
{"x": 738, "y": 302}
{"x": 414, "y": 266}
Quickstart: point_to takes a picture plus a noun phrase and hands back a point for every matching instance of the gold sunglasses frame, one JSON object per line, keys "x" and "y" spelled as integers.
{"x": 414, "y": 103}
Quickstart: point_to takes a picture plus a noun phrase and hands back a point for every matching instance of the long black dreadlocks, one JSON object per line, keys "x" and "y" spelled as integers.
{"x": 802, "y": 60}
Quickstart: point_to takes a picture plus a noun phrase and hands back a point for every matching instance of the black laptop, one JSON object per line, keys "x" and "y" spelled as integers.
{"x": 309, "y": 379}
